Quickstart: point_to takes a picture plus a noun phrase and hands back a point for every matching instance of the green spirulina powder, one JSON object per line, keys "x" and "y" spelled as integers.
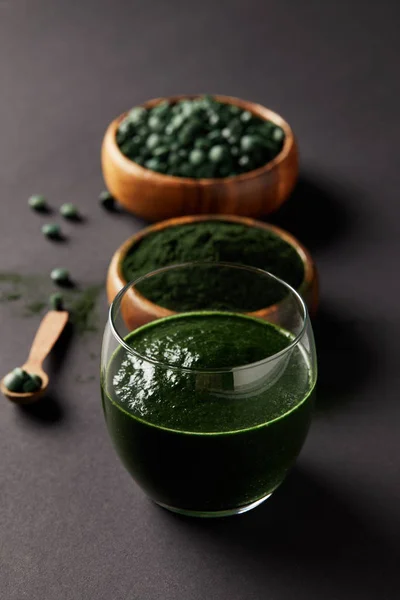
{"x": 203, "y": 287}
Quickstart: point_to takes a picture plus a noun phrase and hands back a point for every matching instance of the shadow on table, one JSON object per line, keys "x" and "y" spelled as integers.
{"x": 349, "y": 351}
{"x": 317, "y": 213}
{"x": 306, "y": 532}
{"x": 46, "y": 411}
{"x": 120, "y": 212}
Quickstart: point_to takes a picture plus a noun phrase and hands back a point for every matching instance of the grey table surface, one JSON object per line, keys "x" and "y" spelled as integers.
{"x": 72, "y": 523}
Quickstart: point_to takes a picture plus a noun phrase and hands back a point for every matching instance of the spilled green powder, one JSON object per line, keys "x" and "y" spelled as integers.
{"x": 84, "y": 316}
{"x": 35, "y": 308}
{"x": 29, "y": 297}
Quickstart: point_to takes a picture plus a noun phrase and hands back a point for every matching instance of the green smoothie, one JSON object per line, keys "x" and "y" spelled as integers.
{"x": 208, "y": 412}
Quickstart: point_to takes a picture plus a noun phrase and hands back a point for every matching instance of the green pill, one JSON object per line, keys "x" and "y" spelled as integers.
{"x": 51, "y": 230}
{"x": 217, "y": 154}
{"x": 161, "y": 109}
{"x": 60, "y": 276}
{"x": 248, "y": 143}
{"x": 155, "y": 165}
{"x": 244, "y": 161}
{"x": 106, "y": 200}
{"x": 56, "y": 301}
{"x": 125, "y": 129}
{"x": 173, "y": 159}
{"x": 214, "y": 119}
{"x": 38, "y": 380}
{"x": 221, "y": 132}
{"x": 155, "y": 123}
{"x": 13, "y": 382}
{"x": 137, "y": 115}
{"x": 126, "y": 147}
{"x": 31, "y": 384}
{"x": 160, "y": 151}
{"x": 202, "y": 144}
{"x": 278, "y": 134}
{"x": 215, "y": 135}
{"x": 226, "y": 133}
{"x": 153, "y": 141}
{"x": 197, "y": 157}
{"x": 186, "y": 108}
{"x": 266, "y": 129}
{"x": 143, "y": 131}
{"x": 234, "y": 110}
{"x": 188, "y": 133}
{"x": 19, "y": 372}
{"x": 235, "y": 127}
{"x": 186, "y": 170}
{"x": 38, "y": 202}
{"x": 246, "y": 116}
{"x": 69, "y": 210}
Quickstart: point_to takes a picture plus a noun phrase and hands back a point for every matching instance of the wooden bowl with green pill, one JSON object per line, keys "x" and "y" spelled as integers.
{"x": 155, "y": 196}
{"x": 138, "y": 309}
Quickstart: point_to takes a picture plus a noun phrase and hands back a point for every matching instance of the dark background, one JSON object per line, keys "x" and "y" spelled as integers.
{"x": 73, "y": 524}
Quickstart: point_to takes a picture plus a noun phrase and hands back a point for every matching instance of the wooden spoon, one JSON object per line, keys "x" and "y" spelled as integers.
{"x": 48, "y": 333}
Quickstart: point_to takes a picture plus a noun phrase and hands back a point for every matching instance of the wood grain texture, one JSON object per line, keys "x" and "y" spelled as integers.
{"x": 154, "y": 196}
{"x": 137, "y": 310}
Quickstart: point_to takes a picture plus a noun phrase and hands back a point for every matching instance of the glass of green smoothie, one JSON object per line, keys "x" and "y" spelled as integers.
{"x": 208, "y": 405}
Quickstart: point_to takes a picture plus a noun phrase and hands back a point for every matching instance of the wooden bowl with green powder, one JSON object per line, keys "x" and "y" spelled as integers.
{"x": 219, "y": 238}
{"x": 186, "y": 155}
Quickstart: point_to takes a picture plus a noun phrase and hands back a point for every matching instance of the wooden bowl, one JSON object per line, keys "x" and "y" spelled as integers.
{"x": 138, "y": 310}
{"x": 154, "y": 196}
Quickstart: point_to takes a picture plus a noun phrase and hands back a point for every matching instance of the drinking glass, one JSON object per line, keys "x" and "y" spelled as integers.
{"x": 207, "y": 373}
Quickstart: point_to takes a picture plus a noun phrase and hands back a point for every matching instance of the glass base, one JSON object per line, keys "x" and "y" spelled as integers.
{"x": 218, "y": 513}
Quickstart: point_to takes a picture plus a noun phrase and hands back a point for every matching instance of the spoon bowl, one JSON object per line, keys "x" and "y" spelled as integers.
{"x": 48, "y": 333}
{"x": 27, "y": 397}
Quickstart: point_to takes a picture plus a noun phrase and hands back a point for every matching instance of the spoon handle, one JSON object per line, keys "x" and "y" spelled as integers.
{"x": 46, "y": 336}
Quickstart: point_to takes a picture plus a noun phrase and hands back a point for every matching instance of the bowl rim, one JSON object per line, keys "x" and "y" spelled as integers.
{"x": 310, "y": 276}
{"x": 259, "y": 110}
{"x": 295, "y": 341}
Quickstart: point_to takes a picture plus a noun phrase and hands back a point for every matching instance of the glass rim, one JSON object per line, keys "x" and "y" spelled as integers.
{"x": 117, "y": 300}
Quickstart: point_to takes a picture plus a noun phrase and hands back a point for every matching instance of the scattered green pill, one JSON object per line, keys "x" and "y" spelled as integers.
{"x": 51, "y": 230}
{"x": 107, "y": 200}
{"x": 69, "y": 210}
{"x": 38, "y": 202}
{"x": 60, "y": 275}
{"x": 56, "y": 301}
